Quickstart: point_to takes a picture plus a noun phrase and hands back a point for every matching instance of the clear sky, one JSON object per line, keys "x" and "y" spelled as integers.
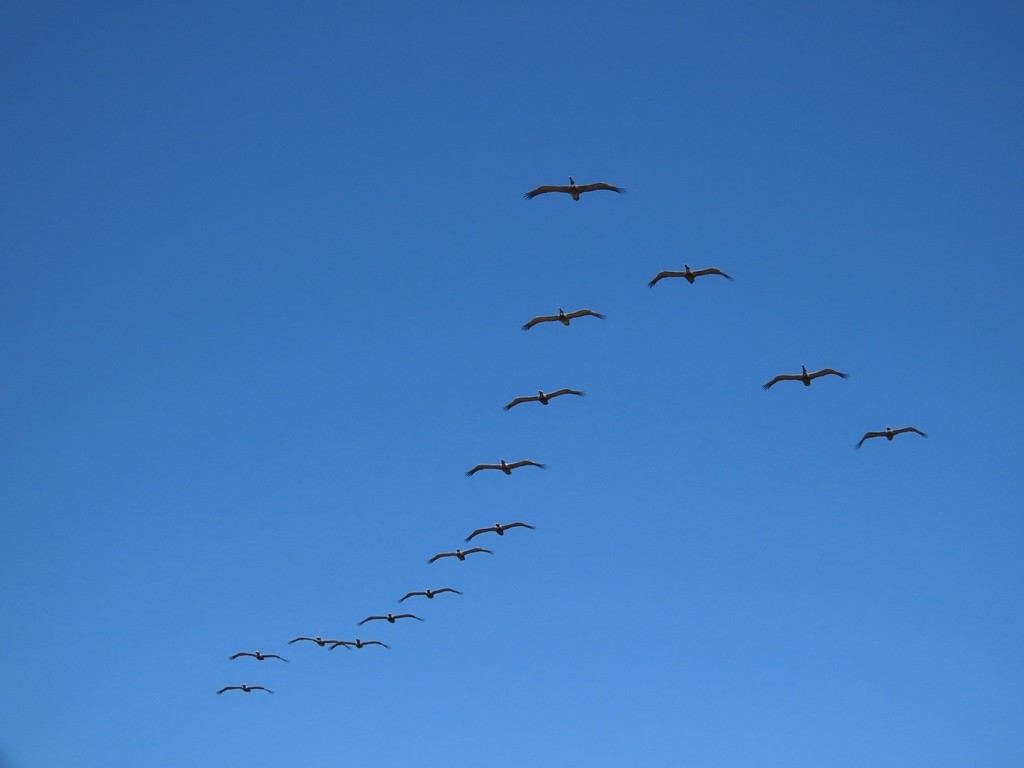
{"x": 262, "y": 274}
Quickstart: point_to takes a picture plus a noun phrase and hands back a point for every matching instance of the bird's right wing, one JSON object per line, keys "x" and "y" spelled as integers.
{"x": 539, "y": 319}
{"x": 781, "y": 377}
{"x": 544, "y": 189}
{"x": 868, "y": 436}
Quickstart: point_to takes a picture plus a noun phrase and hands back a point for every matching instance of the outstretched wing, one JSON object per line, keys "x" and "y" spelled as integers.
{"x": 909, "y": 429}
{"x": 446, "y": 589}
{"x": 828, "y": 372}
{"x": 584, "y": 313}
{"x": 599, "y": 185}
{"x": 478, "y": 467}
{"x": 539, "y": 319}
{"x": 519, "y": 525}
{"x": 565, "y": 392}
{"x": 781, "y": 377}
{"x": 345, "y": 643}
{"x": 868, "y": 436}
{"x": 371, "y": 618}
{"x": 411, "y": 594}
{"x": 439, "y": 555}
{"x": 476, "y": 549}
{"x": 478, "y": 531}
{"x": 519, "y": 400}
{"x": 240, "y": 653}
{"x": 711, "y": 271}
{"x": 526, "y": 463}
{"x": 663, "y": 275}
{"x": 229, "y": 688}
{"x": 408, "y": 616}
{"x": 545, "y": 189}
{"x": 301, "y": 638}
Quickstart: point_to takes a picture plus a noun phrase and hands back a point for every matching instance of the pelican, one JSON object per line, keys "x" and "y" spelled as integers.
{"x": 258, "y": 656}
{"x": 357, "y": 643}
{"x": 461, "y": 554}
{"x": 689, "y": 274}
{"x": 429, "y": 593}
{"x": 244, "y": 688}
{"x": 889, "y": 434}
{"x": 506, "y": 468}
{"x": 562, "y": 317}
{"x": 574, "y": 189}
{"x": 542, "y": 397}
{"x": 499, "y": 529}
{"x": 318, "y": 640}
{"x": 804, "y": 376}
{"x": 391, "y": 618}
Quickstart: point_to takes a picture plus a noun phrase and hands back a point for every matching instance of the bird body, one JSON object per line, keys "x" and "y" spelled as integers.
{"x": 459, "y": 553}
{"x": 889, "y": 434}
{"x": 499, "y": 529}
{"x": 258, "y": 656}
{"x": 562, "y": 317}
{"x": 390, "y": 618}
{"x": 805, "y": 377}
{"x": 243, "y": 688}
{"x": 689, "y": 274}
{"x": 543, "y": 397}
{"x": 573, "y": 189}
{"x": 429, "y": 593}
{"x": 506, "y": 467}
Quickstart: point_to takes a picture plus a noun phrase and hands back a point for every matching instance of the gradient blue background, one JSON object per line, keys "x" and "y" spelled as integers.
{"x": 263, "y": 272}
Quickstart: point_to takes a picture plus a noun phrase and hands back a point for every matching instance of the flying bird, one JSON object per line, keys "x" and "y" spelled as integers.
{"x": 573, "y": 189}
{"x": 318, "y": 640}
{"x": 506, "y": 468}
{"x": 461, "y": 554}
{"x": 805, "y": 377}
{"x": 542, "y": 397}
{"x": 889, "y": 434}
{"x": 429, "y": 593}
{"x": 357, "y": 643}
{"x": 390, "y": 618}
{"x": 499, "y": 529}
{"x": 562, "y": 317}
{"x": 258, "y": 656}
{"x": 244, "y": 688}
{"x": 689, "y": 274}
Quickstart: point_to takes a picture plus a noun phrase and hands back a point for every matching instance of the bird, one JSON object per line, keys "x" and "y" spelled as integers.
{"x": 804, "y": 376}
{"x": 461, "y": 554}
{"x": 429, "y": 593}
{"x": 391, "y": 618}
{"x": 504, "y": 467}
{"x": 689, "y": 274}
{"x": 357, "y": 643}
{"x": 562, "y": 317}
{"x": 318, "y": 640}
{"x": 573, "y": 189}
{"x": 889, "y": 434}
{"x": 499, "y": 529}
{"x": 543, "y": 397}
{"x": 244, "y": 688}
{"x": 258, "y": 656}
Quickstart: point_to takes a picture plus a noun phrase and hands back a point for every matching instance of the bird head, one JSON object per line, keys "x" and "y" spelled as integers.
{"x": 572, "y": 182}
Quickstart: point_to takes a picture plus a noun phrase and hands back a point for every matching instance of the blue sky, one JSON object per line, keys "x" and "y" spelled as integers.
{"x": 263, "y": 273}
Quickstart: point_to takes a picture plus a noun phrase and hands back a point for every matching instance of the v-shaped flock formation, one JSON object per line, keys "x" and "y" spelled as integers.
{"x": 565, "y": 318}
